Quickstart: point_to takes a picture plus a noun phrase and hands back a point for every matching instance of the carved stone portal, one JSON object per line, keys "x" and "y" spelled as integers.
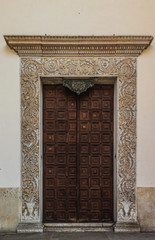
{"x": 123, "y": 68}
{"x": 78, "y": 86}
{"x": 125, "y": 71}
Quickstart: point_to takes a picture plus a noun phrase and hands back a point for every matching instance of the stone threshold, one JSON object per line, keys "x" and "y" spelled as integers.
{"x": 78, "y": 227}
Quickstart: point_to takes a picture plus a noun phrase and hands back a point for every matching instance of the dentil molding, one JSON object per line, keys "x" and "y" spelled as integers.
{"x": 44, "y": 46}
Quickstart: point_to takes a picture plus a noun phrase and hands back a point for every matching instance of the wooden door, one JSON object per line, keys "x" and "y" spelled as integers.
{"x": 78, "y": 154}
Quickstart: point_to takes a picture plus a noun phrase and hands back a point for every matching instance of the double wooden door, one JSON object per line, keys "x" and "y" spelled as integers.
{"x": 78, "y": 154}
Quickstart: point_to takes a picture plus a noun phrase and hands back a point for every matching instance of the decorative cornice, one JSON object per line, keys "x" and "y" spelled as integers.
{"x": 78, "y": 45}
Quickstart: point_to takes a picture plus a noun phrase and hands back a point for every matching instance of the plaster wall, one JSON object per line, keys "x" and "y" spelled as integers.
{"x": 89, "y": 17}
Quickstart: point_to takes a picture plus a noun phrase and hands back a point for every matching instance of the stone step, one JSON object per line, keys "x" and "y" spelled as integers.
{"x": 78, "y": 227}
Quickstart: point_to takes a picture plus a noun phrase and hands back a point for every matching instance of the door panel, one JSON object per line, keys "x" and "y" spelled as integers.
{"x": 60, "y": 165}
{"x": 95, "y": 144}
{"x": 78, "y": 154}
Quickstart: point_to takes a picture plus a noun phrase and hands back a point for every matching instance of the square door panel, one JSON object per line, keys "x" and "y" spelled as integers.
{"x": 61, "y": 148}
{"x": 96, "y": 92}
{"x": 72, "y": 181}
{"x": 61, "y": 137}
{"x": 84, "y": 127}
{"x": 61, "y": 204}
{"x": 50, "y": 172}
{"x": 61, "y": 182}
{"x": 49, "y": 137}
{"x": 50, "y": 182}
{"x": 61, "y": 215}
{"x": 106, "y": 104}
{"x": 72, "y": 193}
{"x": 49, "y": 148}
{"x": 50, "y": 193}
{"x": 95, "y": 160}
{"x": 95, "y": 115}
{"x": 49, "y": 159}
{"x": 84, "y": 149}
{"x": 72, "y": 159}
{"x": 95, "y": 149}
{"x": 95, "y": 182}
{"x": 61, "y": 159}
{"x": 106, "y": 137}
{"x": 84, "y": 205}
{"x": 72, "y": 148}
{"x": 72, "y": 115}
{"x": 72, "y": 171}
{"x": 106, "y": 116}
{"x": 49, "y": 114}
{"x": 95, "y": 103}
{"x": 95, "y": 172}
{"x": 49, "y": 126}
{"x": 49, "y": 92}
{"x": 61, "y": 126}
{"x": 61, "y": 172}
{"x": 106, "y": 149}
{"x": 84, "y": 138}
{"x": 95, "y": 138}
{"x": 84, "y": 115}
{"x": 84, "y": 171}
{"x": 72, "y": 204}
{"x": 84, "y": 194}
{"x": 49, "y": 216}
{"x": 96, "y": 126}
{"x": 107, "y": 93}
{"x": 72, "y": 126}
{"x": 50, "y": 204}
{"x": 61, "y": 193}
{"x": 95, "y": 193}
{"x": 49, "y": 103}
{"x": 61, "y": 103}
{"x": 106, "y": 127}
{"x": 84, "y": 160}
{"x": 61, "y": 115}
{"x": 84, "y": 103}
{"x": 84, "y": 182}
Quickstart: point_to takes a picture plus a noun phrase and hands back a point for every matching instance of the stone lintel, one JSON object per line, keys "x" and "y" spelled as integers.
{"x": 30, "y": 227}
{"x": 127, "y": 227}
{"x": 47, "y": 46}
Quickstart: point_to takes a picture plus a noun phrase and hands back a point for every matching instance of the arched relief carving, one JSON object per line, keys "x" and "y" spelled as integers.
{"x": 125, "y": 71}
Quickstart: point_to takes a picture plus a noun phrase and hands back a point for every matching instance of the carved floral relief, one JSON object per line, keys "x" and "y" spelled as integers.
{"x": 125, "y": 71}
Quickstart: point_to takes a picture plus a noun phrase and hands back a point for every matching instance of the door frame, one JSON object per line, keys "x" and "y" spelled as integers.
{"x": 99, "y": 81}
{"x": 34, "y": 71}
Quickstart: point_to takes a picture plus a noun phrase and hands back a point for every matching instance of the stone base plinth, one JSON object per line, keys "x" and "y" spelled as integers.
{"x": 30, "y": 227}
{"x": 126, "y": 227}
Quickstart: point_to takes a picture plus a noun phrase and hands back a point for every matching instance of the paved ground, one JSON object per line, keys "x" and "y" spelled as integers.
{"x": 79, "y": 236}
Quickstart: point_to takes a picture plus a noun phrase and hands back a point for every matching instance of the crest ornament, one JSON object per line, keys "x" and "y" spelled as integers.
{"x": 79, "y": 85}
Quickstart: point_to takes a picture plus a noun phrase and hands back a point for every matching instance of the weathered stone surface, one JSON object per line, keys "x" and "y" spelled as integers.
{"x": 146, "y": 208}
{"x": 126, "y": 227}
{"x": 9, "y": 209}
{"x": 29, "y": 227}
